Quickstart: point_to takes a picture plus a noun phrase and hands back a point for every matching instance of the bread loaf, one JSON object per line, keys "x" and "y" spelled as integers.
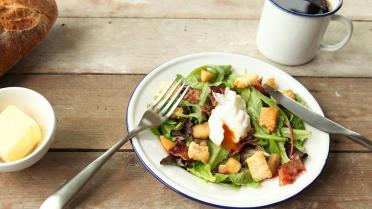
{"x": 23, "y": 25}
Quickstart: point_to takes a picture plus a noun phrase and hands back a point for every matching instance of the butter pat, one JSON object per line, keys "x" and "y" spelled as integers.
{"x": 19, "y": 134}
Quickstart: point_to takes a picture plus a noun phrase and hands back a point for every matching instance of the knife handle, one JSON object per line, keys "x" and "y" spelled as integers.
{"x": 356, "y": 137}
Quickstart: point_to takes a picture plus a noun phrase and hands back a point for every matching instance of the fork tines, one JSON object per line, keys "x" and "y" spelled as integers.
{"x": 170, "y": 97}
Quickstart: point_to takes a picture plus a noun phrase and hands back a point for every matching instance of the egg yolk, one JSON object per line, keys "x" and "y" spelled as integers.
{"x": 228, "y": 139}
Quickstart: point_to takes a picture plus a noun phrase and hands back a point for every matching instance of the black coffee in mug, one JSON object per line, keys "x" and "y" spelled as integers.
{"x": 304, "y": 6}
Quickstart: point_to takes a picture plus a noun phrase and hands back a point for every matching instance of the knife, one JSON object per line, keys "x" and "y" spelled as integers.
{"x": 315, "y": 120}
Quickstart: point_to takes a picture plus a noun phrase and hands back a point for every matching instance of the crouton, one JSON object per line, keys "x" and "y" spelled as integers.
{"x": 245, "y": 81}
{"x": 198, "y": 152}
{"x": 230, "y": 167}
{"x": 167, "y": 143}
{"x": 177, "y": 110}
{"x": 271, "y": 82}
{"x": 206, "y": 76}
{"x": 290, "y": 94}
{"x": 268, "y": 118}
{"x": 201, "y": 131}
{"x": 274, "y": 162}
{"x": 258, "y": 166}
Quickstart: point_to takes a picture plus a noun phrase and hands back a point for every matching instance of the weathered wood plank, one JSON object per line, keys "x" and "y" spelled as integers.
{"x": 231, "y": 9}
{"x": 91, "y": 45}
{"x": 344, "y": 101}
{"x": 124, "y": 183}
{"x": 91, "y": 109}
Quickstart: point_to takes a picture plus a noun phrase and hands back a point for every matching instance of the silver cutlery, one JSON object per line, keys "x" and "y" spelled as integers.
{"x": 159, "y": 111}
{"x": 316, "y": 120}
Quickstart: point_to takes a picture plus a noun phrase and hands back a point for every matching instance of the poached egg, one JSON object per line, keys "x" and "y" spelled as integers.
{"x": 229, "y": 119}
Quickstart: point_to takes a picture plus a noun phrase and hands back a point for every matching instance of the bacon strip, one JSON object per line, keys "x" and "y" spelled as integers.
{"x": 206, "y": 109}
{"x": 258, "y": 85}
{"x": 192, "y": 96}
{"x": 179, "y": 150}
{"x": 290, "y": 170}
{"x": 218, "y": 89}
{"x": 213, "y": 100}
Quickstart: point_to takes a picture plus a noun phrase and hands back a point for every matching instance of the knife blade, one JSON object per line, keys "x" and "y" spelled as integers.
{"x": 316, "y": 120}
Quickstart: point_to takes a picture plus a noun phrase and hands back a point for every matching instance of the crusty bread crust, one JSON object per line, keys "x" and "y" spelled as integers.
{"x": 23, "y": 25}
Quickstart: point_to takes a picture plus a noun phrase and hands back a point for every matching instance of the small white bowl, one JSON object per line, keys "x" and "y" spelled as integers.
{"x": 36, "y": 106}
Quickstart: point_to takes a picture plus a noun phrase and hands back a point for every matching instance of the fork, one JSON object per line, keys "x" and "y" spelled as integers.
{"x": 160, "y": 110}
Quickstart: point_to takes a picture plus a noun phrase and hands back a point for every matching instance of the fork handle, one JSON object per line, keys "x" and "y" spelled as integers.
{"x": 66, "y": 192}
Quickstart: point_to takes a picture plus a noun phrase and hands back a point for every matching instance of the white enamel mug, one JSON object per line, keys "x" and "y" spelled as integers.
{"x": 292, "y": 38}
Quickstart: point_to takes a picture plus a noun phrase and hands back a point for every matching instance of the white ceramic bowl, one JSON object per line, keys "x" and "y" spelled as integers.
{"x": 150, "y": 151}
{"x": 36, "y": 106}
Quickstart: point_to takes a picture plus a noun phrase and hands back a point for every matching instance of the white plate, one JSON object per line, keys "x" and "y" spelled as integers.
{"x": 150, "y": 151}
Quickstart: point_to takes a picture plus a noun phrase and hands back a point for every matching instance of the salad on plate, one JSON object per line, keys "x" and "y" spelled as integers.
{"x": 227, "y": 130}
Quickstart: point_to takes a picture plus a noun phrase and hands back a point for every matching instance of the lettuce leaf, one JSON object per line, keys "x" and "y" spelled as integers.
{"x": 283, "y": 154}
{"x": 229, "y": 81}
{"x": 167, "y": 127}
{"x": 203, "y": 171}
{"x": 155, "y": 131}
{"x": 301, "y": 101}
{"x": 280, "y": 123}
{"x": 242, "y": 178}
{"x": 221, "y": 72}
{"x": 270, "y": 137}
{"x": 273, "y": 147}
{"x": 299, "y": 144}
{"x": 298, "y": 134}
{"x": 220, "y": 178}
{"x": 193, "y": 78}
{"x": 205, "y": 91}
{"x": 262, "y": 142}
{"x": 193, "y": 81}
{"x": 245, "y": 94}
{"x": 196, "y": 112}
{"x": 295, "y": 121}
{"x": 216, "y": 154}
{"x": 254, "y": 107}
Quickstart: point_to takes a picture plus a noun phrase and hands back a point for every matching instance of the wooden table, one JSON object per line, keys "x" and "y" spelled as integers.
{"x": 99, "y": 50}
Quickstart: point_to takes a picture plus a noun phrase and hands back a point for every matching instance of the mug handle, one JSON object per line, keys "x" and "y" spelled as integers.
{"x": 339, "y": 45}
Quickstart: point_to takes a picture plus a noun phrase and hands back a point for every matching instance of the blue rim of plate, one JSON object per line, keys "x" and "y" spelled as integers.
{"x": 309, "y": 15}
{"x": 188, "y": 196}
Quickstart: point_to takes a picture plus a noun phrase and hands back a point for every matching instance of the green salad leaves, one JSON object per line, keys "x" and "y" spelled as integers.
{"x": 243, "y": 178}
{"x": 217, "y": 154}
{"x": 289, "y": 130}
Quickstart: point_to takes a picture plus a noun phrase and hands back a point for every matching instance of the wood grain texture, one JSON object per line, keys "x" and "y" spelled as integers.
{"x": 91, "y": 109}
{"x": 99, "y": 50}
{"x": 211, "y": 9}
{"x": 124, "y": 183}
{"x": 104, "y": 45}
